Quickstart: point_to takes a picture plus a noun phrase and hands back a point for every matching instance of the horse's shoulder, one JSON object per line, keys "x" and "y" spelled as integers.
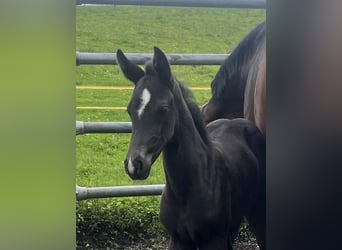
{"x": 231, "y": 126}
{"x": 236, "y": 138}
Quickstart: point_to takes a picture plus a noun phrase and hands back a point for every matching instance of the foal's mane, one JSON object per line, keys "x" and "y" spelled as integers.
{"x": 195, "y": 112}
{"x": 189, "y": 100}
{"x": 238, "y": 61}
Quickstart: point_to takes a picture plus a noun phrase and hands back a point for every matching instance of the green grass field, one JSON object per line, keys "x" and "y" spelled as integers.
{"x": 99, "y": 158}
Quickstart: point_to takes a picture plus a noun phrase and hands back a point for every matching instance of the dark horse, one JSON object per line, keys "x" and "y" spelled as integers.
{"x": 239, "y": 87}
{"x": 214, "y": 175}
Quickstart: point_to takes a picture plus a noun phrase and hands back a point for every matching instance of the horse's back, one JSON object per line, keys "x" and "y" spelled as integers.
{"x": 240, "y": 130}
{"x": 242, "y": 145}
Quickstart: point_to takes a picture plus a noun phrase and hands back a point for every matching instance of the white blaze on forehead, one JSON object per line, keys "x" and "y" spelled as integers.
{"x": 145, "y": 99}
{"x": 130, "y": 166}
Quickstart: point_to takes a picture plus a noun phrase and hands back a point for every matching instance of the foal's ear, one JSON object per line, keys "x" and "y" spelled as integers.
{"x": 130, "y": 70}
{"x": 161, "y": 65}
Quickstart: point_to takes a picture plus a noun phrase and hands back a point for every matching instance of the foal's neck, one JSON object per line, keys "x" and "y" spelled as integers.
{"x": 187, "y": 154}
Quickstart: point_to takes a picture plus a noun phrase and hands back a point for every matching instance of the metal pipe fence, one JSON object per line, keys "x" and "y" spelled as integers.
{"x": 85, "y": 58}
{"x": 245, "y": 4}
{"x": 84, "y": 193}
{"x": 102, "y": 127}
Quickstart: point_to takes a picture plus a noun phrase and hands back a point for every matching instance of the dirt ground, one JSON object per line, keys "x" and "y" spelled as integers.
{"x": 161, "y": 244}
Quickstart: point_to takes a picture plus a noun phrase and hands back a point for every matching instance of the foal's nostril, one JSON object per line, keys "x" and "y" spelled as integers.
{"x": 138, "y": 165}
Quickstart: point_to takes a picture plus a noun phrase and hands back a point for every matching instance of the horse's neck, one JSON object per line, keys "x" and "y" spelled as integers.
{"x": 246, "y": 54}
{"x": 239, "y": 62}
{"x": 237, "y": 71}
{"x": 233, "y": 76}
{"x": 185, "y": 156}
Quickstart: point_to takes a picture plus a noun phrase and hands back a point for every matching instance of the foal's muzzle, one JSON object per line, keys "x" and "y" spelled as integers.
{"x": 137, "y": 168}
{"x": 204, "y": 112}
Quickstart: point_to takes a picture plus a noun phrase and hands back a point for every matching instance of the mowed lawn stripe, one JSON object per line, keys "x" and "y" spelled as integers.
{"x": 94, "y": 87}
{"x": 108, "y": 108}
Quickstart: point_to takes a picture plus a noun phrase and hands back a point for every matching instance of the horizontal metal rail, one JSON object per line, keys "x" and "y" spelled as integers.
{"x": 86, "y": 193}
{"x": 102, "y": 127}
{"x": 250, "y": 4}
{"x": 84, "y": 58}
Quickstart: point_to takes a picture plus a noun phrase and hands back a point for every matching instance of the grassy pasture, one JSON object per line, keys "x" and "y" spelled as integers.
{"x": 99, "y": 158}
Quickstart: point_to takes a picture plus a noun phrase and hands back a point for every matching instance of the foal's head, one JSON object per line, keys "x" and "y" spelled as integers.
{"x": 151, "y": 110}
